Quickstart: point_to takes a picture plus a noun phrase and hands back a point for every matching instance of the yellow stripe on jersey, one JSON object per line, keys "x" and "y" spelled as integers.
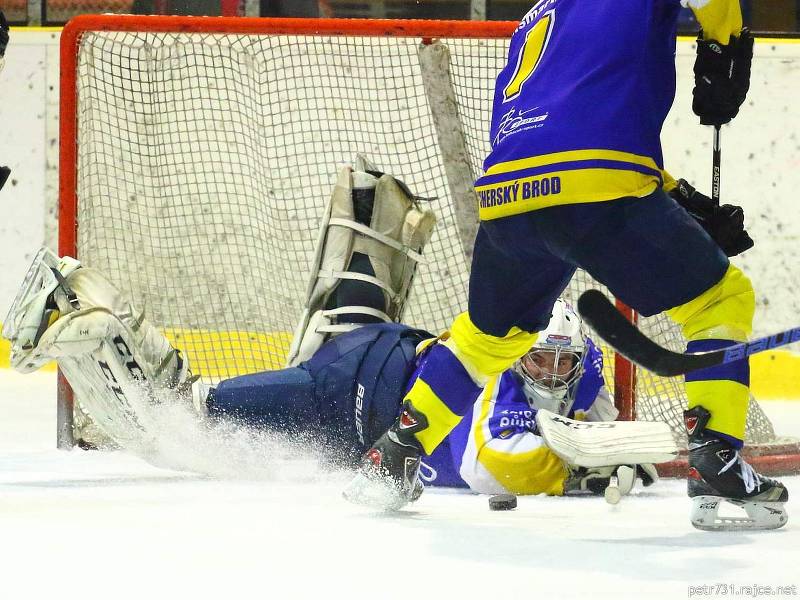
{"x": 535, "y": 471}
{"x": 485, "y": 355}
{"x": 720, "y": 19}
{"x": 723, "y": 312}
{"x": 726, "y": 400}
{"x": 556, "y": 158}
{"x": 577, "y": 186}
{"x": 441, "y": 420}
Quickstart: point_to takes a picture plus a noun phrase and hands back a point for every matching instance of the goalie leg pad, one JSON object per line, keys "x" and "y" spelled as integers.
{"x": 111, "y": 380}
{"x": 370, "y": 241}
{"x": 43, "y": 297}
{"x": 601, "y": 444}
{"x": 163, "y": 364}
{"x": 119, "y": 365}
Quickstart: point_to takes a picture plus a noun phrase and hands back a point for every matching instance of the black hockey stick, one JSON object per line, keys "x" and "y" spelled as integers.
{"x": 716, "y": 168}
{"x": 622, "y": 335}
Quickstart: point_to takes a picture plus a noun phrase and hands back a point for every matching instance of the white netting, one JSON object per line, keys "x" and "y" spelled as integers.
{"x": 205, "y": 161}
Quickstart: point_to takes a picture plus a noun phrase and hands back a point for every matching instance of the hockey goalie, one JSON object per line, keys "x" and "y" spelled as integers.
{"x": 546, "y": 426}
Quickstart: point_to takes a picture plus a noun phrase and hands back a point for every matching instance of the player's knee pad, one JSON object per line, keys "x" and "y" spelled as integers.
{"x": 721, "y": 315}
{"x": 724, "y": 311}
{"x": 371, "y": 239}
{"x": 485, "y": 355}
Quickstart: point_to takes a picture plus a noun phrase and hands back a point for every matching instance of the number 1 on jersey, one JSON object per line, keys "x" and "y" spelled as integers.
{"x": 530, "y": 55}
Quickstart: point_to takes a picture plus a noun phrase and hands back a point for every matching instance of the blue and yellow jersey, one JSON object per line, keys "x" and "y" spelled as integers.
{"x": 495, "y": 450}
{"x": 579, "y": 106}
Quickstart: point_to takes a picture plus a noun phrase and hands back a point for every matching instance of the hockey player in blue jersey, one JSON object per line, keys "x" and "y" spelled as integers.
{"x": 575, "y": 178}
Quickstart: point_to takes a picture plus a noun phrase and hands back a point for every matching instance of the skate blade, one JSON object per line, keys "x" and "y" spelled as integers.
{"x": 760, "y": 515}
{"x": 374, "y": 492}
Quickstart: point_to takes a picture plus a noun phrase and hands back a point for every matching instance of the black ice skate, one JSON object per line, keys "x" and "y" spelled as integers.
{"x": 388, "y": 477}
{"x": 718, "y": 473}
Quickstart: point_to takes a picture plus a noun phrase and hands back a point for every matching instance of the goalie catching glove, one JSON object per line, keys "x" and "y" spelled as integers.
{"x": 118, "y": 364}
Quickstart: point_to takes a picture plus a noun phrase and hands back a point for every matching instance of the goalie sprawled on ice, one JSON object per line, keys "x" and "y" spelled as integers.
{"x": 350, "y": 364}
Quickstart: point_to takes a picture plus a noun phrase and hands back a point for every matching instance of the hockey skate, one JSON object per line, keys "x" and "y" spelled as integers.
{"x": 718, "y": 474}
{"x": 388, "y": 476}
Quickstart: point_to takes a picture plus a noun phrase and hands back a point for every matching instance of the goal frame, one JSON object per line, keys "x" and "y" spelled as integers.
{"x": 775, "y": 459}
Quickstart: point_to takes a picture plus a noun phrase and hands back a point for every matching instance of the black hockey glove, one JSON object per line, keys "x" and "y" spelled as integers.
{"x": 725, "y": 224}
{"x": 3, "y": 34}
{"x": 721, "y": 78}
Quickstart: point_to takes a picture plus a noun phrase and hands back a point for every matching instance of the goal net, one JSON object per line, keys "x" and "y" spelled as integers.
{"x": 197, "y": 155}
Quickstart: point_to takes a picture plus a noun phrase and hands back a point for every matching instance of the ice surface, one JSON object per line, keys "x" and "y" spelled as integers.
{"x": 108, "y": 525}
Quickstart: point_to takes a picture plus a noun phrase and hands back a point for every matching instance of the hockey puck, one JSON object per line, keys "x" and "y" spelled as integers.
{"x": 503, "y": 502}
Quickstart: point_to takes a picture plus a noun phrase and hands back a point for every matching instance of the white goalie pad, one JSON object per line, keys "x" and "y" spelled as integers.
{"x": 376, "y": 218}
{"x": 601, "y": 444}
{"x": 120, "y": 367}
{"x": 107, "y": 379}
{"x": 40, "y": 301}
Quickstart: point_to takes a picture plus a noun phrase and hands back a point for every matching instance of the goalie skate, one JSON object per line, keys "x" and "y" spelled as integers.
{"x": 719, "y": 476}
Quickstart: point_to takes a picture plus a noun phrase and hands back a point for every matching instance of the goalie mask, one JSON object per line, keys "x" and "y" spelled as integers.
{"x": 553, "y": 367}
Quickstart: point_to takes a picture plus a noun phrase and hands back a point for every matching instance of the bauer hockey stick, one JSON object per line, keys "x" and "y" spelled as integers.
{"x": 622, "y": 335}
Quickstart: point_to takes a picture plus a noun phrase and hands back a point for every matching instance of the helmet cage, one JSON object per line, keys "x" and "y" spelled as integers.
{"x": 552, "y": 381}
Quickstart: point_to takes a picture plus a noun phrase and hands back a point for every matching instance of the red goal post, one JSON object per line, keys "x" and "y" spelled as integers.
{"x": 194, "y": 149}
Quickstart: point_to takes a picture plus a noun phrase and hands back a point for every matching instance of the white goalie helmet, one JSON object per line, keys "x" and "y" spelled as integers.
{"x": 551, "y": 369}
